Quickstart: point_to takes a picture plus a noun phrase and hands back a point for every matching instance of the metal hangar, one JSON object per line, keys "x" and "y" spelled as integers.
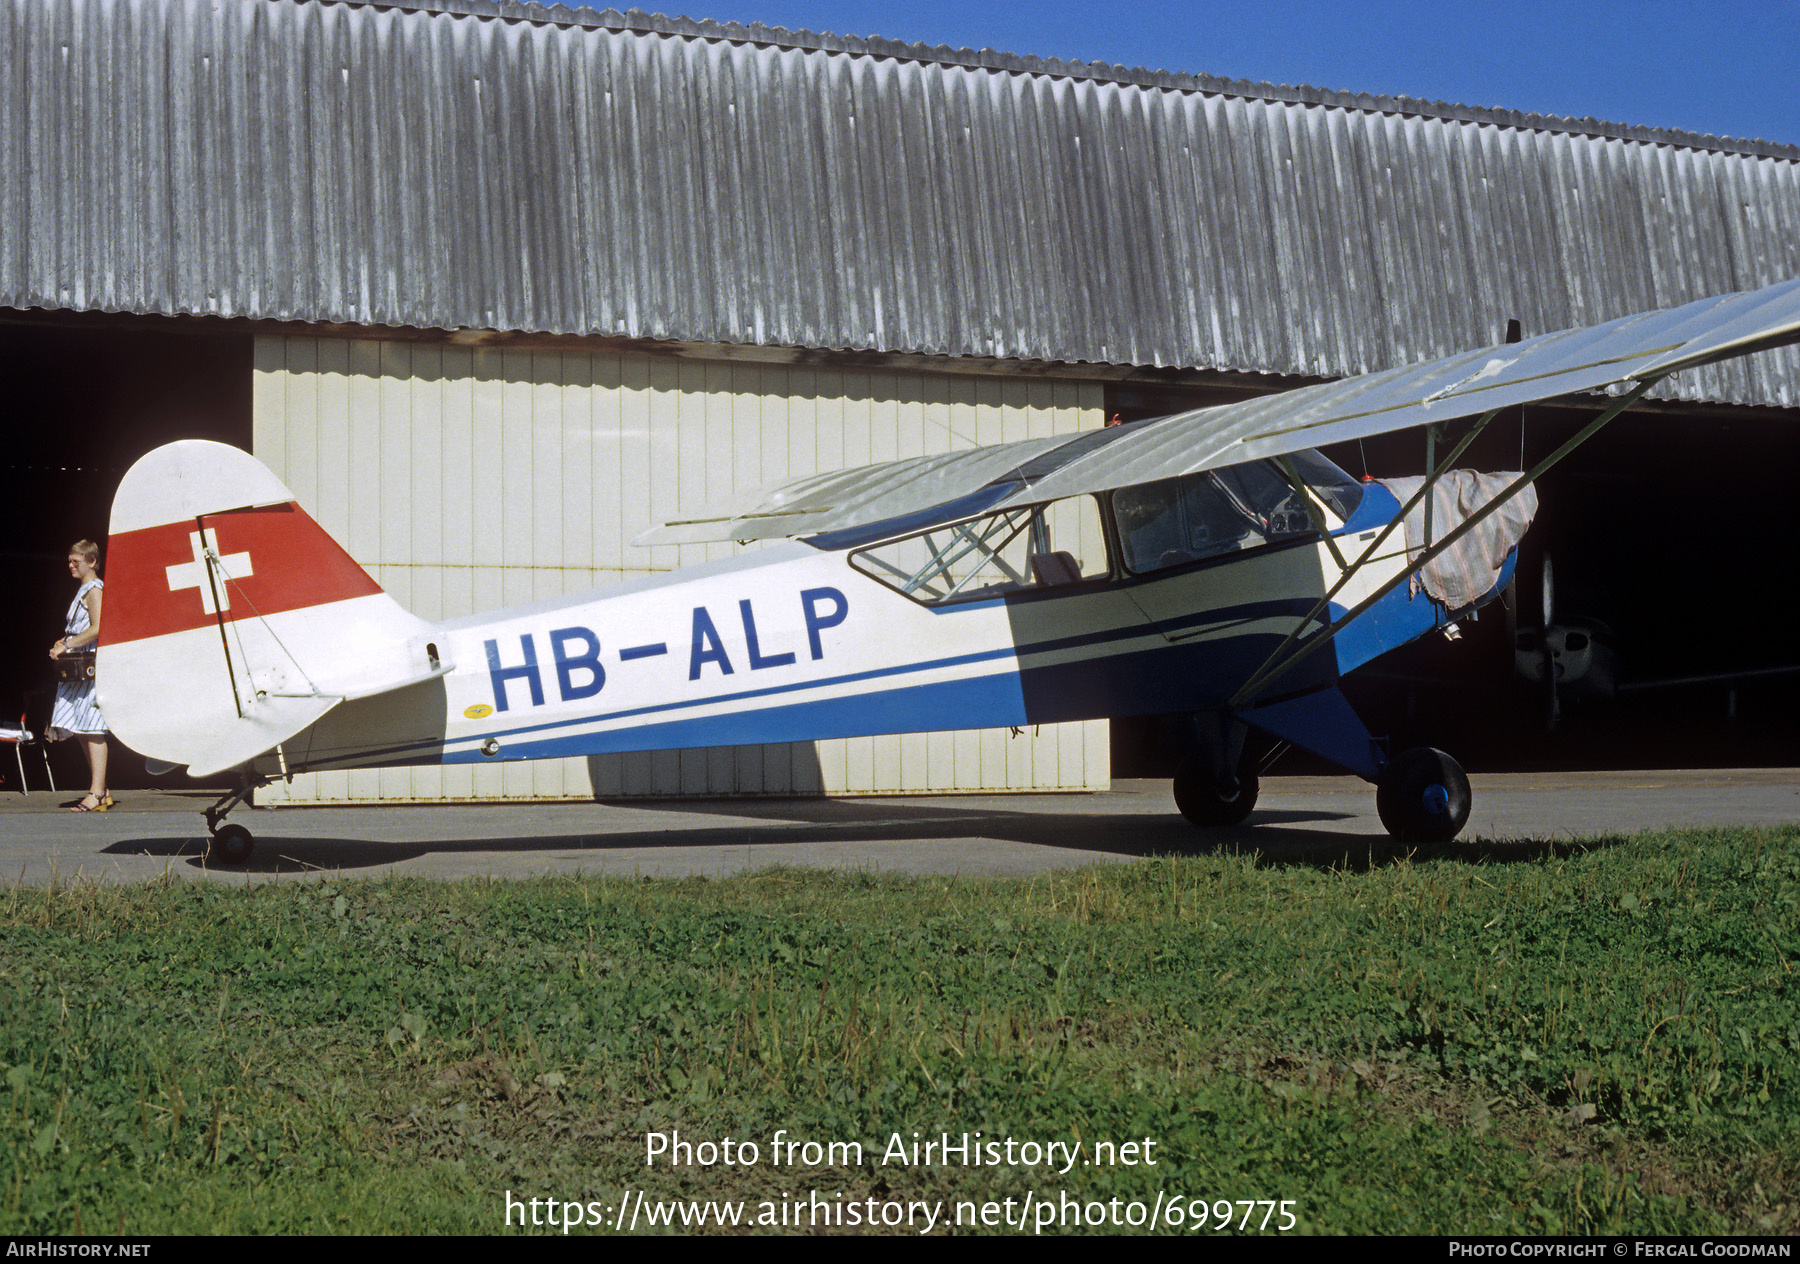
{"x": 494, "y": 285}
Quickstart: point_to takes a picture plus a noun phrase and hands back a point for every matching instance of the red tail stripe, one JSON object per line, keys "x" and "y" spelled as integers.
{"x": 292, "y": 564}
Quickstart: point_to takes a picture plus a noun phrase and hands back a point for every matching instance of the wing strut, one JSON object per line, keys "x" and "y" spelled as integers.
{"x": 1276, "y": 666}
{"x": 1307, "y": 497}
{"x": 1261, "y": 673}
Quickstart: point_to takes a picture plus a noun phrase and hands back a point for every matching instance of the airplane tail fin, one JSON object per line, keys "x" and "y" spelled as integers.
{"x": 231, "y": 620}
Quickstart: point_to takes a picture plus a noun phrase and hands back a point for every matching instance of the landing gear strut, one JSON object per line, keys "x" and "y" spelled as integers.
{"x": 231, "y": 844}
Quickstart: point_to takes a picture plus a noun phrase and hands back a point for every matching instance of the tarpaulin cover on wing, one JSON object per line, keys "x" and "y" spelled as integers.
{"x": 1467, "y": 569}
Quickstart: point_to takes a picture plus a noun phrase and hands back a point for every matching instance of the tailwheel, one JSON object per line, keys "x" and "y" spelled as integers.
{"x": 1423, "y": 796}
{"x": 1205, "y": 801}
{"x": 231, "y": 845}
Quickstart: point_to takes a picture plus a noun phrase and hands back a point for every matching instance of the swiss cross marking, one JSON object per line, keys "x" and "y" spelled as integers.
{"x": 193, "y": 574}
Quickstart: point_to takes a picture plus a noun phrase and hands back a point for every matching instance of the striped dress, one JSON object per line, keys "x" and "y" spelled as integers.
{"x": 76, "y": 711}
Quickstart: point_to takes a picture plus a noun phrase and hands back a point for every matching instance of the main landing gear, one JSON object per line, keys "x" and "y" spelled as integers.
{"x": 231, "y": 844}
{"x": 1205, "y": 799}
{"x": 1421, "y": 795}
{"x": 1216, "y": 784}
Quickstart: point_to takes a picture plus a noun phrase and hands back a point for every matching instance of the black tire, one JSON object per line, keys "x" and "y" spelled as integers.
{"x": 231, "y": 845}
{"x": 1204, "y": 803}
{"x": 1423, "y": 797}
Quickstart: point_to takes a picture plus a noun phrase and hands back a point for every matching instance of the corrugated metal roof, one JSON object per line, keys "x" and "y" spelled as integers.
{"x": 990, "y": 59}
{"x": 566, "y": 171}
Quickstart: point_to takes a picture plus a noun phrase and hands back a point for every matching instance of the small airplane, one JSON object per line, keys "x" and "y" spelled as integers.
{"x": 1210, "y": 563}
{"x": 1577, "y": 656}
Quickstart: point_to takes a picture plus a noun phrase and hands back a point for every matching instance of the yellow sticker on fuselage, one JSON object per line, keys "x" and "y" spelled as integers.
{"x": 480, "y": 711}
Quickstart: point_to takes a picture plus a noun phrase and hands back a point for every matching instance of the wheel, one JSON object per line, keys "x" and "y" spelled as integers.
{"x": 1423, "y": 797}
{"x": 1204, "y": 803}
{"x": 231, "y": 845}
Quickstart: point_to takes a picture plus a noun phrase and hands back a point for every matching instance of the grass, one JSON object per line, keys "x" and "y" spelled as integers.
{"x": 1594, "y": 1039}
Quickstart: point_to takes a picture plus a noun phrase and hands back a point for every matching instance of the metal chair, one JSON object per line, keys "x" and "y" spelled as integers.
{"x": 23, "y": 735}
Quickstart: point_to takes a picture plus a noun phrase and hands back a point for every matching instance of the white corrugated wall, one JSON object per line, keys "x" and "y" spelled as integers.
{"x": 467, "y": 479}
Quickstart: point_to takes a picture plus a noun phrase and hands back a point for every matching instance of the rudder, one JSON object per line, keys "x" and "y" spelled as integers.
{"x": 232, "y": 619}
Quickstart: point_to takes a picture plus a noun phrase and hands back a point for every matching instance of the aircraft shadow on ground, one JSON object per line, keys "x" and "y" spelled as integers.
{"x": 1275, "y": 837}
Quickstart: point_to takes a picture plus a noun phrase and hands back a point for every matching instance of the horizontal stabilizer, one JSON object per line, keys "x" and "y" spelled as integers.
{"x": 262, "y": 728}
{"x": 270, "y": 720}
{"x": 371, "y": 684}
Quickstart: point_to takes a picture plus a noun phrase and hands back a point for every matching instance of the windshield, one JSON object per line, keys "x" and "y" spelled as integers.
{"x": 1179, "y": 520}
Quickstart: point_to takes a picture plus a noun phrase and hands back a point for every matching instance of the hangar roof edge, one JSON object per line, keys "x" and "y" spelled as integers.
{"x": 642, "y": 22}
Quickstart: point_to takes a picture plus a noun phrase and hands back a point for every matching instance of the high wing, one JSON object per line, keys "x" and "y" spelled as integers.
{"x": 1633, "y": 350}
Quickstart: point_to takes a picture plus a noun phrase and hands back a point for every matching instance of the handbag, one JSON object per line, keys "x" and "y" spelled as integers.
{"x": 74, "y": 665}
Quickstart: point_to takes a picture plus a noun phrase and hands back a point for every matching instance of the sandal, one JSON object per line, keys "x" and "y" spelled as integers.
{"x": 102, "y": 802}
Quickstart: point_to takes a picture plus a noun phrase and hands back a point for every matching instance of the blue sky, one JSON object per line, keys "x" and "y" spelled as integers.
{"x": 1730, "y": 67}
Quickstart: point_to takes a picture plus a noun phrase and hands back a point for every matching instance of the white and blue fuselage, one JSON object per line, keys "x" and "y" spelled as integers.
{"x": 793, "y": 642}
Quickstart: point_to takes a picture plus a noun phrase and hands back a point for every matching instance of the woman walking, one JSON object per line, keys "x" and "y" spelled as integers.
{"x": 76, "y": 714}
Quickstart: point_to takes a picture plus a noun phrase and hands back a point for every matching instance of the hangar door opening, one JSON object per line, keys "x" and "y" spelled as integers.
{"x": 83, "y": 400}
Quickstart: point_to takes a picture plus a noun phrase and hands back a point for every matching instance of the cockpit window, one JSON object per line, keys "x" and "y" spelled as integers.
{"x": 1196, "y": 516}
{"x": 1036, "y": 547}
{"x": 1341, "y": 493}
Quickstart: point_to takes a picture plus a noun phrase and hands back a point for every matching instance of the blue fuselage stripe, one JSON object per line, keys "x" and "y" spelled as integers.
{"x": 992, "y": 699}
{"x": 1228, "y": 615}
